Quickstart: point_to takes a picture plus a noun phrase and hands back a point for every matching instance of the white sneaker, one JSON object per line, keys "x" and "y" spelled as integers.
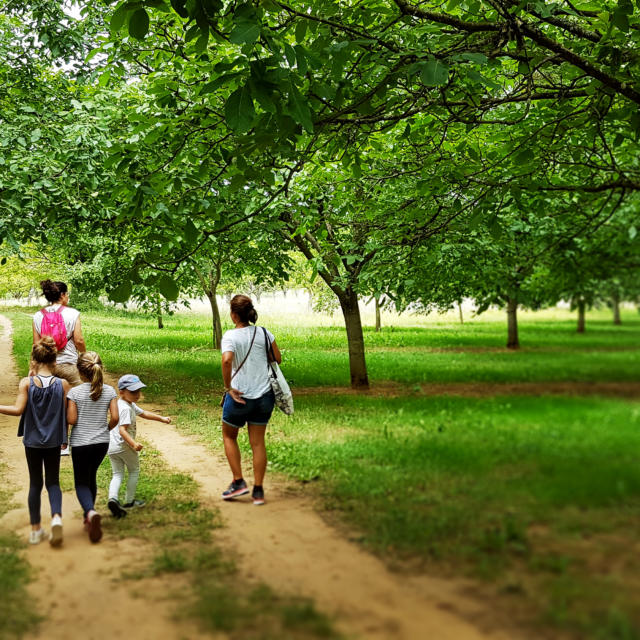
{"x": 55, "y": 537}
{"x": 35, "y": 537}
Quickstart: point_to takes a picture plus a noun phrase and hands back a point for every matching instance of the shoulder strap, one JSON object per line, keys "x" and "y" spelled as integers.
{"x": 271, "y": 357}
{"x": 255, "y": 330}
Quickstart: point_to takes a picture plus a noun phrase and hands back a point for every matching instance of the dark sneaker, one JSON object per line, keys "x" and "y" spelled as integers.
{"x": 116, "y": 508}
{"x": 236, "y": 488}
{"x": 258, "y": 496}
{"x": 134, "y": 504}
{"x": 95, "y": 530}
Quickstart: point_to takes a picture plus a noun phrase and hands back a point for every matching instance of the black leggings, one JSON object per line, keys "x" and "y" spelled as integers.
{"x": 50, "y": 459}
{"x": 86, "y": 461}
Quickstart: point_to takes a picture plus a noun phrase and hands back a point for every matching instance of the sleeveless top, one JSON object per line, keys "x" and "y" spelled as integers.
{"x": 44, "y": 421}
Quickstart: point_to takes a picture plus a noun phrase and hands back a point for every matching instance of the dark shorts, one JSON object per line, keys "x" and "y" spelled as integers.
{"x": 256, "y": 411}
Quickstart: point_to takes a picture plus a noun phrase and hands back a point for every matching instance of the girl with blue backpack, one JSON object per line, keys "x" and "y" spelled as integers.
{"x": 41, "y": 403}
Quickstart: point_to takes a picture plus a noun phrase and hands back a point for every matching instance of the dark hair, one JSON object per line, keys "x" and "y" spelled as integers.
{"x": 90, "y": 368}
{"x": 53, "y": 291}
{"x": 243, "y": 308}
{"x": 44, "y": 351}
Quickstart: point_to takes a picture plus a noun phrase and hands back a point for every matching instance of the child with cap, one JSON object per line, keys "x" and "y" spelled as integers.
{"x": 123, "y": 448}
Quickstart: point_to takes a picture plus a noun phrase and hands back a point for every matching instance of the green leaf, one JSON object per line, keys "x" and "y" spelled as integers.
{"x": 478, "y": 58}
{"x": 210, "y": 87}
{"x": 290, "y": 54}
{"x": 191, "y": 233}
{"x": 301, "y": 60}
{"x": 620, "y": 20}
{"x": 633, "y": 232}
{"x": 524, "y": 157}
{"x": 139, "y": 24}
{"x": 121, "y": 293}
{"x": 299, "y": 108}
{"x": 435, "y": 73}
{"x": 245, "y": 32}
{"x": 301, "y": 30}
{"x": 117, "y": 19}
{"x": 179, "y": 8}
{"x": 239, "y": 111}
{"x": 168, "y": 288}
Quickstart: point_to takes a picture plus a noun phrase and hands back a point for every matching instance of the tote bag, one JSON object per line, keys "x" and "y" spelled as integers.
{"x": 279, "y": 385}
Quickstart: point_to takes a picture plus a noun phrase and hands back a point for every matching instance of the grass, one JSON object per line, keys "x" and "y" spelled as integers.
{"x": 179, "y": 359}
{"x": 17, "y": 614}
{"x": 536, "y": 496}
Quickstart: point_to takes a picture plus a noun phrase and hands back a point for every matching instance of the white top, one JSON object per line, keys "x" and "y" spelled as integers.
{"x": 253, "y": 379}
{"x": 92, "y": 426}
{"x": 69, "y": 355}
{"x": 127, "y": 412}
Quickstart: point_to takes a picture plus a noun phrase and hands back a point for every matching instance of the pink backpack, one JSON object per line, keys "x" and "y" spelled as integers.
{"x": 53, "y": 325}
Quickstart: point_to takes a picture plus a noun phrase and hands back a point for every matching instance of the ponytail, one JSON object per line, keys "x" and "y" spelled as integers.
{"x": 90, "y": 368}
{"x": 96, "y": 382}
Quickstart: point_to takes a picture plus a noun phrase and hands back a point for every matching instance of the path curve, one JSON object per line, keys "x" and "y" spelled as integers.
{"x": 288, "y": 545}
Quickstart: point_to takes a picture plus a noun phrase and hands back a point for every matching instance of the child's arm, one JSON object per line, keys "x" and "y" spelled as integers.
{"x": 149, "y": 415}
{"x": 114, "y": 414}
{"x": 124, "y": 433}
{"x": 72, "y": 411}
{"x": 65, "y": 389}
{"x": 18, "y": 408}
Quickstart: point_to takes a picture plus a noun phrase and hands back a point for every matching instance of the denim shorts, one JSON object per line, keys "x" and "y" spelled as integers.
{"x": 256, "y": 411}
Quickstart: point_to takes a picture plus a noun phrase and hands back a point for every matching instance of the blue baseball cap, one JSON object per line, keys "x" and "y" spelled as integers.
{"x": 130, "y": 382}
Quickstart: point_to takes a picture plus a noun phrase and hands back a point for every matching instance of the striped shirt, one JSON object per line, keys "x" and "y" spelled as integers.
{"x": 92, "y": 426}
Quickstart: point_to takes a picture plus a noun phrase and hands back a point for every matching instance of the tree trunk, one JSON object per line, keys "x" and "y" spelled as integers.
{"x": 216, "y": 324}
{"x": 460, "y": 311}
{"x": 616, "y": 309}
{"x": 355, "y": 339}
{"x": 512, "y": 324}
{"x": 378, "y": 315}
{"x": 581, "y": 314}
{"x": 159, "y": 312}
{"x": 210, "y": 288}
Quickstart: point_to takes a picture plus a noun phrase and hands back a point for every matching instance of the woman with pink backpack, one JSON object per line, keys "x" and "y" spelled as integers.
{"x": 62, "y": 323}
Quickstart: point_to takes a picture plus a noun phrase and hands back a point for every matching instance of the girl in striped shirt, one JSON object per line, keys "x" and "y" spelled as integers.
{"x": 87, "y": 407}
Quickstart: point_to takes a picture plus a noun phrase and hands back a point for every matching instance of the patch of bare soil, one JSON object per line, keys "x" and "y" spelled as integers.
{"x": 628, "y": 390}
{"x": 78, "y": 587}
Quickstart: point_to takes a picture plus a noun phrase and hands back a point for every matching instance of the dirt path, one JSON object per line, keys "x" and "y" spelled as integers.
{"x": 629, "y": 390}
{"x": 78, "y": 586}
{"x": 285, "y": 544}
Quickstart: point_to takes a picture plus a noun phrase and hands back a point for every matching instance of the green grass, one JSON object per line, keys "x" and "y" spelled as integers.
{"x": 17, "y": 613}
{"x": 179, "y": 360}
{"x": 533, "y": 495}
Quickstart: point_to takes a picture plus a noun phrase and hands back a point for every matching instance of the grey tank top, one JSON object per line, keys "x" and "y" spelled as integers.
{"x": 43, "y": 424}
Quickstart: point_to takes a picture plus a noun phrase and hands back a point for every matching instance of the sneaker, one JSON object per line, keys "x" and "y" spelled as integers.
{"x": 134, "y": 504}
{"x": 35, "y": 537}
{"x": 55, "y": 537}
{"x": 116, "y": 508}
{"x": 236, "y": 488}
{"x": 93, "y": 526}
{"x": 258, "y": 496}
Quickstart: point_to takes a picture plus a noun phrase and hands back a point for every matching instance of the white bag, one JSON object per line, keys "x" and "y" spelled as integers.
{"x": 281, "y": 390}
{"x": 279, "y": 385}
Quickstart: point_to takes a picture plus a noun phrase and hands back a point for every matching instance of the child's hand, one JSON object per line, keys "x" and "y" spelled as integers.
{"x": 165, "y": 419}
{"x": 138, "y": 447}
